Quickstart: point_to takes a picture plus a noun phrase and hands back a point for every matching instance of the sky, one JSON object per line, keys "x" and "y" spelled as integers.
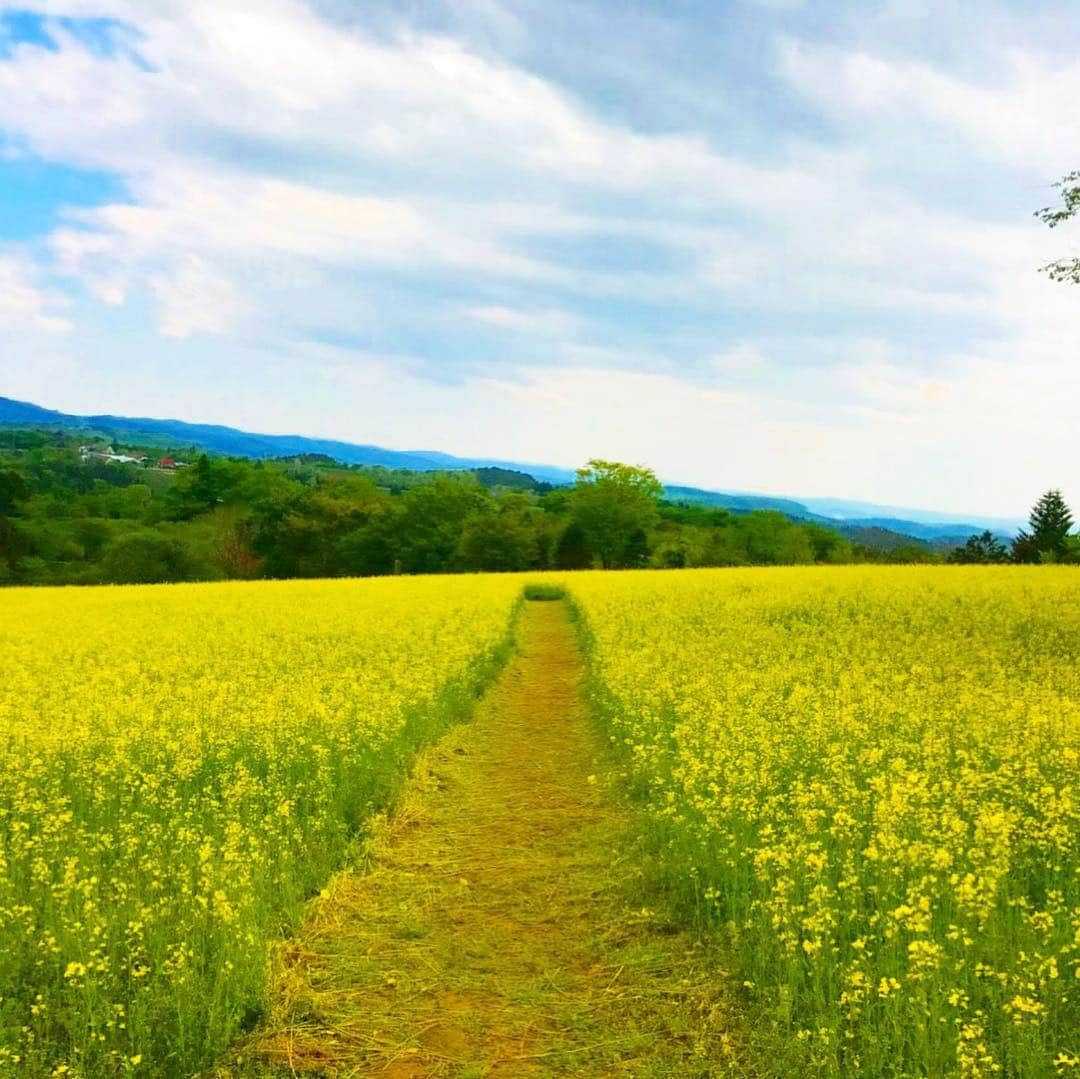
{"x": 757, "y": 245}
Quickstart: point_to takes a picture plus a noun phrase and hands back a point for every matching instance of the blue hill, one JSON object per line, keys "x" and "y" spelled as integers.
{"x": 233, "y": 442}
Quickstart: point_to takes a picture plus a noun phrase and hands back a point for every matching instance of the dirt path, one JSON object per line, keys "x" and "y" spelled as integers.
{"x": 496, "y": 931}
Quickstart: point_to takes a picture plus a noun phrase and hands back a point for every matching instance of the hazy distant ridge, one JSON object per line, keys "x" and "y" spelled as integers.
{"x": 229, "y": 440}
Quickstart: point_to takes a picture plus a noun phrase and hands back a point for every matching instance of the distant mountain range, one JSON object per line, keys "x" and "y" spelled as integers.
{"x": 857, "y": 517}
{"x": 229, "y": 440}
{"x": 862, "y": 521}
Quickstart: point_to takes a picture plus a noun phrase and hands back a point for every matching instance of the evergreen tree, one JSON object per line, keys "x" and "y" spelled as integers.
{"x": 1048, "y": 529}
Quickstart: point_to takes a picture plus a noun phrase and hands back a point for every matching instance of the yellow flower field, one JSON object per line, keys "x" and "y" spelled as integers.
{"x": 865, "y": 781}
{"x": 868, "y": 780}
{"x": 181, "y": 767}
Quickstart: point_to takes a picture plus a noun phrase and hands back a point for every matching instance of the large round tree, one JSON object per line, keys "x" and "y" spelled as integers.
{"x": 614, "y": 506}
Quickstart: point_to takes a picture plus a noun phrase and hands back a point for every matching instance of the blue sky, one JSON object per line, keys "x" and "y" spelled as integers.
{"x": 771, "y": 246}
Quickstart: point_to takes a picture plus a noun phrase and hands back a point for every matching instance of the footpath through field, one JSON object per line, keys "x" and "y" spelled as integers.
{"x": 499, "y": 929}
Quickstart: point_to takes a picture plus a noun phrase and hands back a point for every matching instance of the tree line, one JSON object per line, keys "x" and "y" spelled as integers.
{"x": 72, "y": 518}
{"x": 1048, "y": 538}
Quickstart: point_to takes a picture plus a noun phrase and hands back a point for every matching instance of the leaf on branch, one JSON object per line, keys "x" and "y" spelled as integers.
{"x": 1063, "y": 270}
{"x": 1070, "y": 197}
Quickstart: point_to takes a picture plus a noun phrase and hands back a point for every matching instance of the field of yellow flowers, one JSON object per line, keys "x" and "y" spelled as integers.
{"x": 868, "y": 781}
{"x": 180, "y": 768}
{"x": 865, "y": 780}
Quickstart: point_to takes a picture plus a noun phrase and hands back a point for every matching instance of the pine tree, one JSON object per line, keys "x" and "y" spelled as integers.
{"x": 1048, "y": 527}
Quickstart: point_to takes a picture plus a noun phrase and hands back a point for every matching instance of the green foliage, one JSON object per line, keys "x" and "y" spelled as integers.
{"x": 371, "y": 549}
{"x": 983, "y": 549}
{"x": 501, "y": 541}
{"x": 614, "y": 504}
{"x": 432, "y": 522}
{"x": 13, "y": 548}
{"x": 1047, "y": 536}
{"x": 572, "y": 550}
{"x": 827, "y": 546}
{"x": 544, "y": 592}
{"x": 13, "y": 489}
{"x": 71, "y": 518}
{"x": 144, "y": 557}
{"x": 510, "y": 479}
{"x": 1066, "y": 269}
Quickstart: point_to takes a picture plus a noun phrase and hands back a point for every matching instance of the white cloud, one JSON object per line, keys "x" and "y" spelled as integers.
{"x": 281, "y": 72}
{"x": 480, "y": 141}
{"x": 327, "y": 111}
{"x": 190, "y": 219}
{"x": 288, "y": 176}
{"x": 1023, "y": 112}
{"x": 193, "y": 298}
{"x": 24, "y": 306}
{"x": 548, "y": 322}
{"x": 743, "y": 358}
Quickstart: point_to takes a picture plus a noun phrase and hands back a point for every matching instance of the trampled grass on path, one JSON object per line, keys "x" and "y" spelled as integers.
{"x": 497, "y": 931}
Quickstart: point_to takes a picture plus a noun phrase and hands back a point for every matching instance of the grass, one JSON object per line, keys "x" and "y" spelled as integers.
{"x": 535, "y": 591}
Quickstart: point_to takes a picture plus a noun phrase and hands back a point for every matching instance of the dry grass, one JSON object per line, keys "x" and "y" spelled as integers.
{"x": 498, "y": 928}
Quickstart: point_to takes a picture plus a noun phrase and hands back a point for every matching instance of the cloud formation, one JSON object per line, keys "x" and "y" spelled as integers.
{"x": 24, "y": 306}
{"x": 824, "y": 254}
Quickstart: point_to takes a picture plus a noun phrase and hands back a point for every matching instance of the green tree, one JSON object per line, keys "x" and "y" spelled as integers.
{"x": 499, "y": 542}
{"x": 372, "y": 550}
{"x": 144, "y": 557}
{"x": 726, "y": 547}
{"x": 572, "y": 549}
{"x": 301, "y": 529}
{"x": 672, "y": 552}
{"x": 196, "y": 489}
{"x": 93, "y": 535}
{"x": 1067, "y": 269}
{"x": 1046, "y": 537}
{"x": 615, "y": 505}
{"x": 773, "y": 540}
{"x": 433, "y": 519}
{"x": 14, "y": 545}
{"x": 636, "y": 551}
{"x": 983, "y": 549}
{"x": 13, "y": 489}
{"x": 828, "y": 546}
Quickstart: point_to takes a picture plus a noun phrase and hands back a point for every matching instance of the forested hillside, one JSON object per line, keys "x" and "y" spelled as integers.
{"x": 82, "y": 513}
